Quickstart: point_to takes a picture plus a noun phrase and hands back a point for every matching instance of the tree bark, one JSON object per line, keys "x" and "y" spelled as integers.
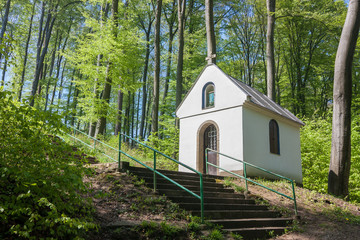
{"x": 26, "y": 52}
{"x": 171, "y": 21}
{"x": 5, "y": 21}
{"x": 180, "y": 64}
{"x": 270, "y": 59}
{"x": 40, "y": 62}
{"x": 101, "y": 125}
{"x": 144, "y": 97}
{"x": 210, "y": 32}
{"x": 340, "y": 161}
{"x": 155, "y": 111}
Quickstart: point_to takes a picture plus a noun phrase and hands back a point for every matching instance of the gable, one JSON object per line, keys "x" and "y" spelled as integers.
{"x": 227, "y": 94}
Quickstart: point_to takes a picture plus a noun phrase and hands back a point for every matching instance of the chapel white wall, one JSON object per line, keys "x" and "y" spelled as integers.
{"x": 230, "y": 141}
{"x": 227, "y": 94}
{"x": 257, "y": 146}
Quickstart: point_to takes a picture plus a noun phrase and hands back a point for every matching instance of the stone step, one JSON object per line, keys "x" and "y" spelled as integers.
{"x": 252, "y": 222}
{"x": 235, "y": 214}
{"x": 168, "y": 172}
{"x": 183, "y": 181}
{"x": 191, "y": 199}
{"x": 223, "y": 207}
{"x": 171, "y": 186}
{"x": 144, "y": 172}
{"x": 183, "y": 193}
{"x": 258, "y": 232}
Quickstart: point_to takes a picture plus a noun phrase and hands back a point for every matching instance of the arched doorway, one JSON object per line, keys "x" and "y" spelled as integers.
{"x": 208, "y": 137}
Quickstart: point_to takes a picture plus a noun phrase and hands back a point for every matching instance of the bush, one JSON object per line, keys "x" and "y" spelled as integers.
{"x": 315, "y": 153}
{"x": 40, "y": 179}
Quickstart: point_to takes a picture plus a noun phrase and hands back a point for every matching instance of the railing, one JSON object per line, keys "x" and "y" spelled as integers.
{"x": 250, "y": 180}
{"x": 154, "y": 170}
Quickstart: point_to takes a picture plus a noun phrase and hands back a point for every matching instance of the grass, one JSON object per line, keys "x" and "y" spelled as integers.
{"x": 106, "y": 150}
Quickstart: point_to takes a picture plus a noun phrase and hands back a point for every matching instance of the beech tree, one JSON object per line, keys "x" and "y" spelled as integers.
{"x": 339, "y": 170}
{"x": 270, "y": 58}
{"x": 210, "y": 32}
{"x": 180, "y": 63}
{"x": 155, "y": 112}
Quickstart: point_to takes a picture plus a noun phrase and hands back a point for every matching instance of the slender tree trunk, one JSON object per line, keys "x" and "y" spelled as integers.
{"x": 119, "y": 117}
{"x": 5, "y": 21}
{"x": 210, "y": 32}
{"x": 103, "y": 15}
{"x": 26, "y": 52}
{"x": 61, "y": 83}
{"x": 339, "y": 170}
{"x": 144, "y": 92}
{"x": 180, "y": 64}
{"x": 155, "y": 111}
{"x": 50, "y": 22}
{"x": 51, "y": 71}
{"x": 270, "y": 59}
{"x": 137, "y": 115}
{"x": 101, "y": 125}
{"x": 69, "y": 96}
{"x": 168, "y": 67}
{"x": 4, "y": 73}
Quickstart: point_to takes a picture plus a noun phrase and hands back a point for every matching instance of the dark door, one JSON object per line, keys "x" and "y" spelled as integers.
{"x": 210, "y": 141}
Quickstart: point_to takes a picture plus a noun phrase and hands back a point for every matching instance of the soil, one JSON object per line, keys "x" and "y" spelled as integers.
{"x": 122, "y": 202}
{"x": 320, "y": 216}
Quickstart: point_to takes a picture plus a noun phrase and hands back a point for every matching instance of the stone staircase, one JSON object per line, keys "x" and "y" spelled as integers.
{"x": 222, "y": 205}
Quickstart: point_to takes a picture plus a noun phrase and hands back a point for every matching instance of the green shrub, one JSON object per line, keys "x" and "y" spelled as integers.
{"x": 40, "y": 179}
{"x": 315, "y": 154}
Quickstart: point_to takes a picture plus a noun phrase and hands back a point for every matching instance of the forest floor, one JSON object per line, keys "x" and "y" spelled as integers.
{"x": 321, "y": 216}
{"x": 122, "y": 204}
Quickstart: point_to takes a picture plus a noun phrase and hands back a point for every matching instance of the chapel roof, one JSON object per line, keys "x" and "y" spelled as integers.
{"x": 264, "y": 101}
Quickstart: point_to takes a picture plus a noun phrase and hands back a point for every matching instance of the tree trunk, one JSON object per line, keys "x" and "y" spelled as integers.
{"x": 210, "y": 32}
{"x": 40, "y": 62}
{"x": 26, "y": 52}
{"x": 144, "y": 97}
{"x": 4, "y": 73}
{"x": 69, "y": 96}
{"x": 50, "y": 71}
{"x": 61, "y": 83}
{"x": 5, "y": 21}
{"x": 101, "y": 125}
{"x": 340, "y": 161}
{"x": 119, "y": 116}
{"x": 270, "y": 59}
{"x": 180, "y": 64}
{"x": 155, "y": 111}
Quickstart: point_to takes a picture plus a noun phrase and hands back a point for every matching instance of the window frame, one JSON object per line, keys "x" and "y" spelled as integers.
{"x": 205, "y": 95}
{"x": 274, "y": 137}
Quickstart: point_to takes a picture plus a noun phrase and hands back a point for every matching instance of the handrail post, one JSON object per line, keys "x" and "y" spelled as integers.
{"x": 202, "y": 198}
{"x": 94, "y": 143}
{"x": 154, "y": 171}
{"x": 119, "y": 152}
{"x": 246, "y": 183}
{"x": 294, "y": 196}
{"x": 206, "y": 161}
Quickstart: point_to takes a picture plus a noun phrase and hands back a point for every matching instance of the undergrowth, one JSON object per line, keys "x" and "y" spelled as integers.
{"x": 40, "y": 177}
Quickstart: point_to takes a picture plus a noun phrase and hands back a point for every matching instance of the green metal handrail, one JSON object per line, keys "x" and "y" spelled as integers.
{"x": 250, "y": 180}
{"x": 154, "y": 170}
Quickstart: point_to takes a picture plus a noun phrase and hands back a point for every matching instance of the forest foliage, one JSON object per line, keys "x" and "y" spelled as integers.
{"x": 41, "y": 181}
{"x": 68, "y": 54}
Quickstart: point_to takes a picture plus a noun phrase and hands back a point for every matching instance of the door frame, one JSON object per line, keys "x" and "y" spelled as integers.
{"x": 200, "y": 160}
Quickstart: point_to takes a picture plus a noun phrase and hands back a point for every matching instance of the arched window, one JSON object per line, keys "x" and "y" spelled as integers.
{"x": 208, "y": 95}
{"x": 274, "y": 137}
